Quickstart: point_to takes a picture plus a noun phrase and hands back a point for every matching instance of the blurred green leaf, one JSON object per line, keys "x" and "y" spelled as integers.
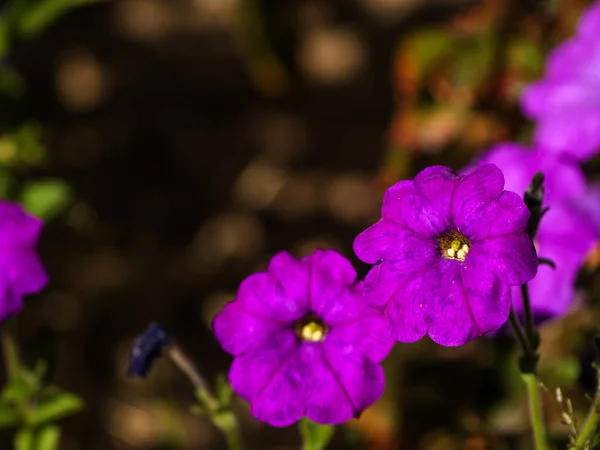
{"x": 28, "y": 139}
{"x": 315, "y": 436}
{"x": 427, "y": 46}
{"x": 6, "y": 181}
{"x": 48, "y": 438}
{"x": 19, "y": 389}
{"x": 56, "y": 407}
{"x": 24, "y": 439}
{"x": 224, "y": 391}
{"x": 46, "y": 198}
{"x": 9, "y": 416}
{"x": 563, "y": 372}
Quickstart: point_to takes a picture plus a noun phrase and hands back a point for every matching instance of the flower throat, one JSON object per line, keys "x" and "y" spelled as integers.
{"x": 453, "y": 245}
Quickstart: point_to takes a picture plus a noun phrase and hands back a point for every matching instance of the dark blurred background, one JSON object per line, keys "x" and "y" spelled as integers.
{"x": 175, "y": 145}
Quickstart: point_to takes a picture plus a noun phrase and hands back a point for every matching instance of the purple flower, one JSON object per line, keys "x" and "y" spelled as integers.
{"x": 21, "y": 271}
{"x": 304, "y": 341}
{"x": 567, "y": 232}
{"x": 448, "y": 248}
{"x": 566, "y": 102}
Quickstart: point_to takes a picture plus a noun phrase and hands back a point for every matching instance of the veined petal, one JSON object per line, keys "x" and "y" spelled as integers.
{"x": 436, "y": 184}
{"x": 404, "y": 204}
{"x": 474, "y": 192}
{"x": 271, "y": 379}
{"x": 512, "y": 258}
{"x": 239, "y": 330}
{"x": 331, "y": 276}
{"x": 18, "y": 229}
{"x": 10, "y": 301}
{"x": 24, "y": 269}
{"x": 292, "y": 277}
{"x": 263, "y": 295}
{"x": 326, "y": 400}
{"x": 503, "y": 216}
{"x": 369, "y": 334}
{"x": 489, "y": 299}
{"x": 452, "y": 320}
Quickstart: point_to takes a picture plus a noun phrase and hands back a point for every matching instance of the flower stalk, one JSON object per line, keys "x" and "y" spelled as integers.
{"x": 535, "y": 410}
{"x": 217, "y": 410}
{"x": 10, "y": 350}
{"x": 583, "y": 440}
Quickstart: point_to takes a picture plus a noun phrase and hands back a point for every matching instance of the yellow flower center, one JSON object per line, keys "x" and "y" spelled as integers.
{"x": 453, "y": 245}
{"x": 311, "y": 329}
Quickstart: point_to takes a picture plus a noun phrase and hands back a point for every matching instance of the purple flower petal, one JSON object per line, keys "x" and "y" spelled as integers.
{"x": 575, "y": 132}
{"x": 262, "y": 294}
{"x": 474, "y": 192}
{"x": 271, "y": 379}
{"x": 25, "y": 270}
{"x": 410, "y": 304}
{"x": 291, "y": 276}
{"x": 326, "y": 400}
{"x": 369, "y": 334}
{"x": 239, "y": 330}
{"x": 512, "y": 258}
{"x": 452, "y": 320}
{"x": 404, "y": 204}
{"x": 488, "y": 297}
{"x": 589, "y": 24}
{"x": 361, "y": 379}
{"x": 17, "y": 228}
{"x": 503, "y": 216}
{"x": 390, "y": 242}
{"x": 11, "y": 302}
{"x": 436, "y": 184}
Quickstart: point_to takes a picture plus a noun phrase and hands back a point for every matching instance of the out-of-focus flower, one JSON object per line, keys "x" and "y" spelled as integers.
{"x": 304, "y": 340}
{"x": 146, "y": 348}
{"x": 448, "y": 248}
{"x": 568, "y": 231}
{"x": 21, "y": 271}
{"x": 566, "y": 102}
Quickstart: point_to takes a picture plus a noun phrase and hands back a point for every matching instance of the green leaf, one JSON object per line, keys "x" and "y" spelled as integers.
{"x": 24, "y": 439}
{"x": 224, "y": 391}
{"x": 48, "y": 438}
{"x": 46, "y": 198}
{"x": 55, "y": 408}
{"x": 315, "y": 436}
{"x": 9, "y": 416}
{"x": 19, "y": 389}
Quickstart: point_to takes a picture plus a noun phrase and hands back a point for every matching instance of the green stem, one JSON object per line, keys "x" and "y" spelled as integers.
{"x": 519, "y": 334}
{"x": 591, "y": 423}
{"x": 529, "y": 327}
{"x": 535, "y": 411}
{"x": 223, "y": 419}
{"x": 10, "y": 350}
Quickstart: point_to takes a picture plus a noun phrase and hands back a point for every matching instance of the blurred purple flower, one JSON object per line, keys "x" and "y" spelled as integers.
{"x": 449, "y": 246}
{"x": 566, "y": 102}
{"x": 21, "y": 271}
{"x": 304, "y": 341}
{"x": 568, "y": 231}
{"x": 148, "y": 346}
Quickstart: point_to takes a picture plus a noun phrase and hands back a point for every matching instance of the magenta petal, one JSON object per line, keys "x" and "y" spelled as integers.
{"x": 475, "y": 191}
{"x": 512, "y": 258}
{"x": 326, "y": 400}
{"x": 369, "y": 334}
{"x": 261, "y": 294}
{"x": 436, "y": 184}
{"x": 505, "y": 215}
{"x": 25, "y": 270}
{"x": 331, "y": 276}
{"x": 292, "y": 277}
{"x": 452, "y": 320}
{"x": 18, "y": 229}
{"x": 271, "y": 379}
{"x": 239, "y": 330}
{"x": 361, "y": 379}
{"x": 409, "y": 305}
{"x": 404, "y": 204}
{"x": 372, "y": 244}
{"x": 589, "y": 24}
{"x": 489, "y": 298}
{"x": 10, "y": 301}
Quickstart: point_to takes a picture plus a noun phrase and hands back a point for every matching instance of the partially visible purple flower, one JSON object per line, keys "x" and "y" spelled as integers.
{"x": 448, "y": 246}
{"x": 567, "y": 232}
{"x": 566, "y": 102}
{"x": 146, "y": 348}
{"x": 305, "y": 342}
{"x": 21, "y": 271}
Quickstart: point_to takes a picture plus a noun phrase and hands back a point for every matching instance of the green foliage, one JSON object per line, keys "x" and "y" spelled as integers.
{"x": 315, "y": 436}
{"x": 45, "y": 198}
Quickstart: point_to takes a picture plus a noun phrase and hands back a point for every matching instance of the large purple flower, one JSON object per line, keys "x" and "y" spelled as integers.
{"x": 304, "y": 341}
{"x": 567, "y": 232}
{"x": 566, "y": 102}
{"x": 21, "y": 271}
{"x": 448, "y": 247}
